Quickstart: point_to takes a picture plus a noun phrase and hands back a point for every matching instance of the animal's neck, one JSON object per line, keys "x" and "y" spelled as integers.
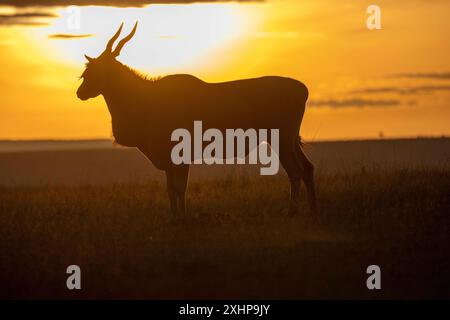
{"x": 126, "y": 95}
{"x": 123, "y": 89}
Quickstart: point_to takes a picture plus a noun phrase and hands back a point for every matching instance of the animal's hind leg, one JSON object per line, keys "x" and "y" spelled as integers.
{"x": 308, "y": 176}
{"x": 181, "y": 175}
{"x": 294, "y": 171}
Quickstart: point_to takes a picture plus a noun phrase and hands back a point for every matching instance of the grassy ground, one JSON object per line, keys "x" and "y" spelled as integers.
{"x": 236, "y": 242}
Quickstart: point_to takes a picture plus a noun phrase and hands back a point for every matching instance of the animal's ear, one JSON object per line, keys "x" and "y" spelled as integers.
{"x": 89, "y": 59}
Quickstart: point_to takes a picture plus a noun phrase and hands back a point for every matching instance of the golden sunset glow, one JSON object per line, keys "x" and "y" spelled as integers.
{"x": 323, "y": 43}
{"x": 170, "y": 36}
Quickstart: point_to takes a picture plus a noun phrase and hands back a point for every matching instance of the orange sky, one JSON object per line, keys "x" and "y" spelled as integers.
{"x": 395, "y": 80}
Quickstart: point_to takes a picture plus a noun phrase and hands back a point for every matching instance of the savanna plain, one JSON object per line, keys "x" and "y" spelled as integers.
{"x": 381, "y": 202}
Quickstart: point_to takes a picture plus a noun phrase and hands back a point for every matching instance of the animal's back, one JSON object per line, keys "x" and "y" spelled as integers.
{"x": 179, "y": 100}
{"x": 281, "y": 88}
{"x": 258, "y": 102}
{"x": 275, "y": 84}
{"x": 176, "y": 80}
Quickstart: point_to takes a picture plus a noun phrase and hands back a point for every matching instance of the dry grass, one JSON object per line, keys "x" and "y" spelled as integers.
{"x": 236, "y": 242}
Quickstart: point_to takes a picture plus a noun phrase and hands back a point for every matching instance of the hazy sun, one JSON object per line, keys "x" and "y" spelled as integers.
{"x": 169, "y": 37}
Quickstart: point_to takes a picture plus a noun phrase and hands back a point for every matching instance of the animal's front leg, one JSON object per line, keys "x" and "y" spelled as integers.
{"x": 171, "y": 190}
{"x": 181, "y": 175}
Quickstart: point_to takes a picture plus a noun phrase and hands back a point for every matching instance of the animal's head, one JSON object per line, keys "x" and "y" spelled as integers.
{"x": 97, "y": 71}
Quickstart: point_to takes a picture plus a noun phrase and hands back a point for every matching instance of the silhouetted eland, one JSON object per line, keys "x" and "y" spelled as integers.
{"x": 145, "y": 112}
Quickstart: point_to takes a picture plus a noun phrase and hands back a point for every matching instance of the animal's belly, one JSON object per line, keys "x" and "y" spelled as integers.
{"x": 234, "y": 109}
{"x": 158, "y": 153}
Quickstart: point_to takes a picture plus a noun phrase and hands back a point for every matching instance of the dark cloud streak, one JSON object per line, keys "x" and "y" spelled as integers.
{"x": 357, "y": 102}
{"x": 28, "y": 15}
{"x": 10, "y": 23}
{"x": 398, "y": 90}
{"x": 69, "y": 36}
{"x": 428, "y": 75}
{"x": 25, "y": 18}
{"x": 115, "y": 3}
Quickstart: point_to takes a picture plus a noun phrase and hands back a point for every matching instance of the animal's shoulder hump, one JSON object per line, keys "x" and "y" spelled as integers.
{"x": 181, "y": 77}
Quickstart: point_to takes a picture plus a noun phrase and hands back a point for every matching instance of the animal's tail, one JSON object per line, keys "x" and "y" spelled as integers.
{"x": 306, "y": 92}
{"x": 301, "y": 142}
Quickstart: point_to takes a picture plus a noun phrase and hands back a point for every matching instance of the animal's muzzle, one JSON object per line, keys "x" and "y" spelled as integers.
{"x": 81, "y": 96}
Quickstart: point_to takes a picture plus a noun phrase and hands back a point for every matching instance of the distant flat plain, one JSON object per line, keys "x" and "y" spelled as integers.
{"x": 96, "y": 162}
